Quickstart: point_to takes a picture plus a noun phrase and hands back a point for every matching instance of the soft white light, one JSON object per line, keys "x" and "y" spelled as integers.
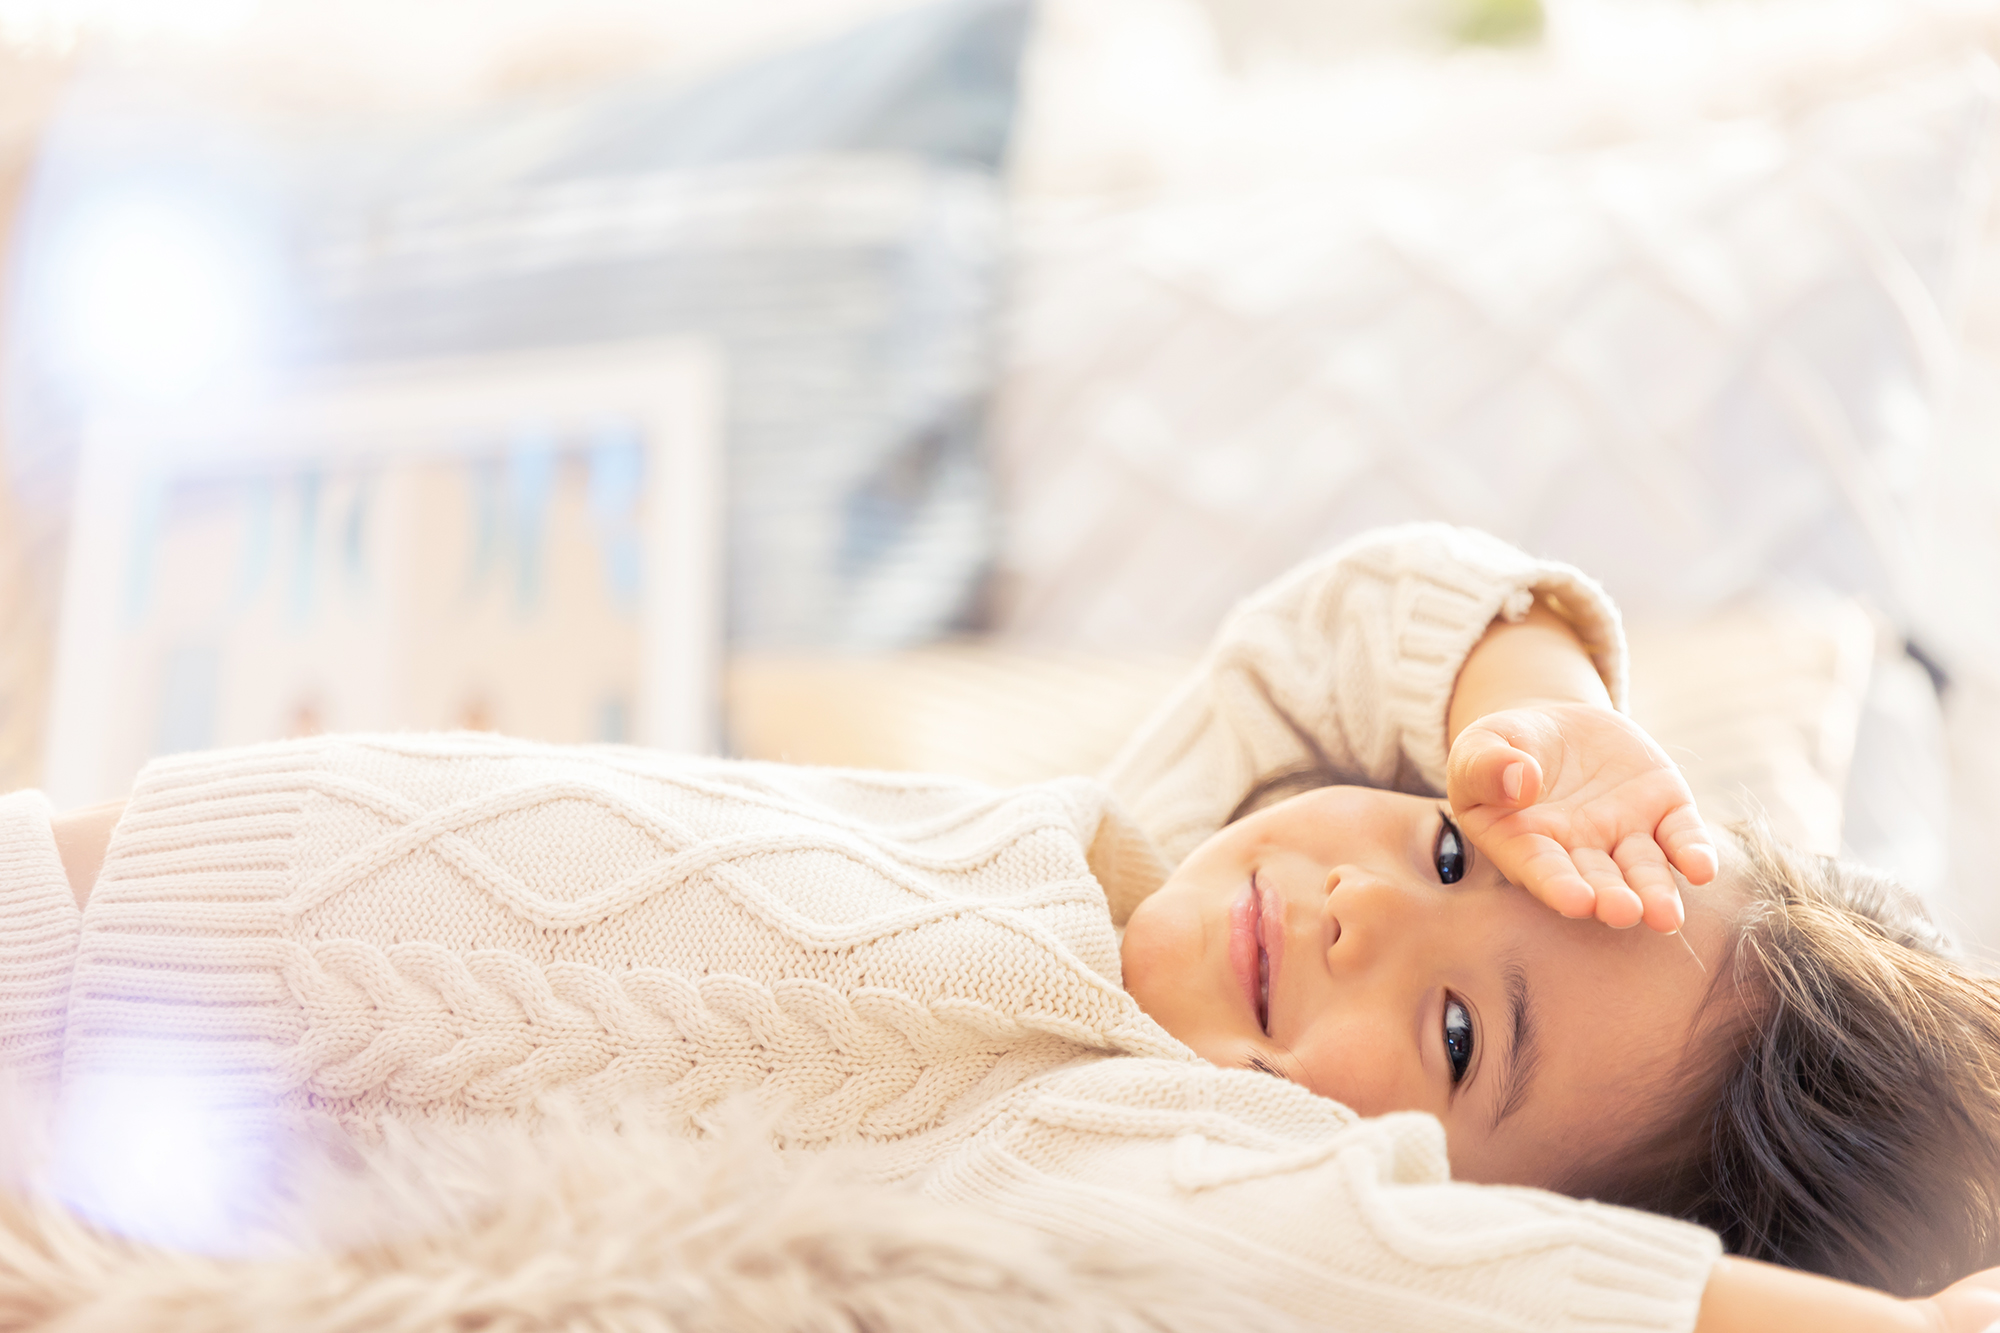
{"x": 59, "y": 23}
{"x": 156, "y": 297}
{"x": 160, "y": 1158}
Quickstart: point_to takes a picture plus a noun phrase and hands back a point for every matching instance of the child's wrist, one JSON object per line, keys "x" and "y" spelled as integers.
{"x": 1745, "y": 1296}
{"x": 1537, "y": 660}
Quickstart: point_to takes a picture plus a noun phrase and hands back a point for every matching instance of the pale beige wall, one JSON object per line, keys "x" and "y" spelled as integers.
{"x": 30, "y": 542}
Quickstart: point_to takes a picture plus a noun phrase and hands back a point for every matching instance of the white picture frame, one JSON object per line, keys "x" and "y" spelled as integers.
{"x": 172, "y": 544}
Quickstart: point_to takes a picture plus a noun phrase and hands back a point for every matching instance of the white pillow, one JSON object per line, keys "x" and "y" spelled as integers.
{"x": 1694, "y": 367}
{"x": 1760, "y": 705}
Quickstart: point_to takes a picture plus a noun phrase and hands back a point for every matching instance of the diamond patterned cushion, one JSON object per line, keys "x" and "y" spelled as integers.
{"x": 1692, "y": 366}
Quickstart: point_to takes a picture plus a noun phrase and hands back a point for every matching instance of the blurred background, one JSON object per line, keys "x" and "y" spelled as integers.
{"x": 915, "y": 384}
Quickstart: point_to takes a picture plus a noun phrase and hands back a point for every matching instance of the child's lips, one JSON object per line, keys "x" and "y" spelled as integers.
{"x": 1246, "y": 951}
{"x": 1264, "y": 990}
{"x": 1256, "y": 946}
{"x": 1271, "y": 948}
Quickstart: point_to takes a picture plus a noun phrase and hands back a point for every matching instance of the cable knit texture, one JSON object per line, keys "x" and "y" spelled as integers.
{"x": 444, "y": 929}
{"x": 1340, "y": 1219}
{"x": 452, "y": 926}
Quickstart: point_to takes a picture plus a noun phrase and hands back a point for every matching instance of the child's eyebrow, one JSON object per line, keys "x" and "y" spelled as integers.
{"x": 1523, "y": 1053}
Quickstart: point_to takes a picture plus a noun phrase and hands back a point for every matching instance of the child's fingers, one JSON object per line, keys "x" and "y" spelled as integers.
{"x": 1486, "y": 770}
{"x": 1684, "y": 838}
{"x": 1545, "y": 869}
{"x": 1646, "y": 871}
{"x": 1521, "y": 779}
{"x": 1617, "y": 905}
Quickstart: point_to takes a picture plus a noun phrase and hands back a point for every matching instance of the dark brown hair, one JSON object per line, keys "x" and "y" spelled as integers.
{"x": 1845, "y": 1108}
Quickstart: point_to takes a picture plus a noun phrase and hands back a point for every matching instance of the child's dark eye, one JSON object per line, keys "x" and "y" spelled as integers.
{"x": 1450, "y": 852}
{"x": 1457, "y": 1039}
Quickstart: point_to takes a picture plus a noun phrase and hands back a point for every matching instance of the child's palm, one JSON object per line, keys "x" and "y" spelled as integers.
{"x": 1580, "y": 807}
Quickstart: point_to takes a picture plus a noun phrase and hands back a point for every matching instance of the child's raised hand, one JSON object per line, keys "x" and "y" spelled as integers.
{"x": 1969, "y": 1305}
{"x": 1580, "y": 807}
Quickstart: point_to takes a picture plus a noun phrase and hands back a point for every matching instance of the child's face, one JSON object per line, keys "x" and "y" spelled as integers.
{"x": 1405, "y": 974}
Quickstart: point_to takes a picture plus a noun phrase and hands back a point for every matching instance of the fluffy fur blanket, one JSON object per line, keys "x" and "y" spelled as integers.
{"x": 595, "y": 1230}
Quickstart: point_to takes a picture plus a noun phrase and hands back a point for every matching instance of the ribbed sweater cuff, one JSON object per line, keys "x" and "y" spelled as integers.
{"x": 38, "y": 936}
{"x": 182, "y": 965}
{"x": 1639, "y": 1272}
{"x": 1458, "y": 581}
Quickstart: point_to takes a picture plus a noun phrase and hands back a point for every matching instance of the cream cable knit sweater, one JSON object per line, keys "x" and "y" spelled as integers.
{"x": 444, "y": 927}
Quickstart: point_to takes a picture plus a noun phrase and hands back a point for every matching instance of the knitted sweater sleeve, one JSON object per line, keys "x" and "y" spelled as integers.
{"x": 38, "y": 935}
{"x": 1349, "y": 1223}
{"x": 1353, "y": 654}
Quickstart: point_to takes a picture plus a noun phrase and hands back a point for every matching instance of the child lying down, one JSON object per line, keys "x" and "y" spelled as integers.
{"x": 1254, "y": 989}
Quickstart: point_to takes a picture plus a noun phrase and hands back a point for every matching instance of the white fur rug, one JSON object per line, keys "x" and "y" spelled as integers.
{"x": 596, "y": 1231}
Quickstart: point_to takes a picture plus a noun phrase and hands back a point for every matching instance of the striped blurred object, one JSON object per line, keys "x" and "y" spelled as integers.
{"x": 831, "y": 216}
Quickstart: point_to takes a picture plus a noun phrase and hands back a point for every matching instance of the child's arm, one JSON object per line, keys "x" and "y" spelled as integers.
{"x": 81, "y": 839}
{"x": 1744, "y": 1296}
{"x": 1567, "y": 796}
{"x": 1344, "y": 668}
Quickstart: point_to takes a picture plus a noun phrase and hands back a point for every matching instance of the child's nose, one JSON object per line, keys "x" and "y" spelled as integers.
{"x": 1349, "y": 912}
{"x": 1364, "y": 914}
{"x": 1329, "y": 919}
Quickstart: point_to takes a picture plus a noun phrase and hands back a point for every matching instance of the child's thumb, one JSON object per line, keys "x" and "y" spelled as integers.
{"x": 1486, "y": 770}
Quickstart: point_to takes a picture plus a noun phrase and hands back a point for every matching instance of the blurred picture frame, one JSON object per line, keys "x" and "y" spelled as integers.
{"x": 527, "y": 542}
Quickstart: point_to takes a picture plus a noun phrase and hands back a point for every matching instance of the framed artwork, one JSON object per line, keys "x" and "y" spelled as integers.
{"x": 524, "y": 542}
